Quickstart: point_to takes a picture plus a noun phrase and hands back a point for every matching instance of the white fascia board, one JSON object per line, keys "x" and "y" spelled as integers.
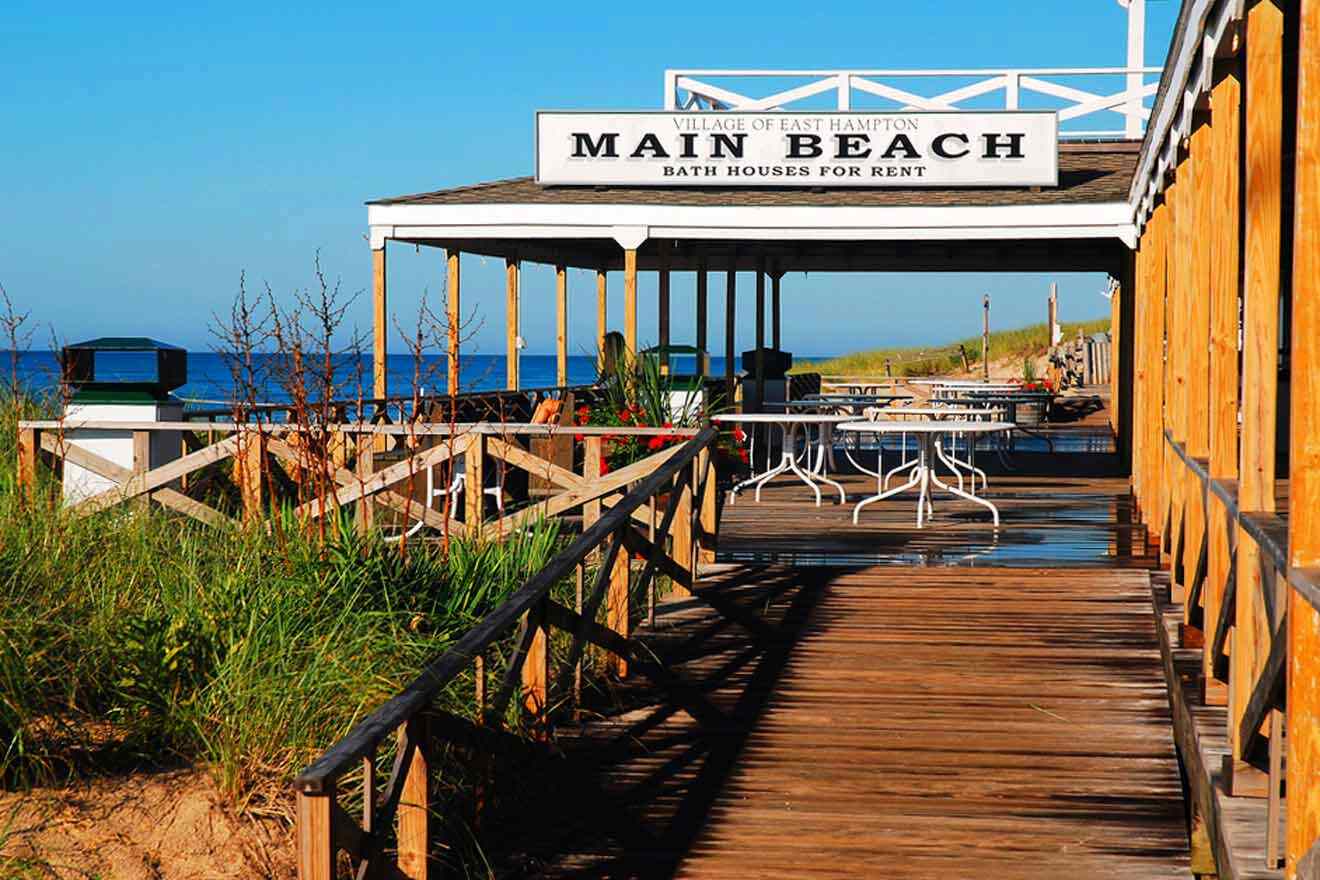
{"x": 779, "y": 222}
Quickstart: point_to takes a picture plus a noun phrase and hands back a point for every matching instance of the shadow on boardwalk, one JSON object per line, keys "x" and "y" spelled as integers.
{"x": 873, "y": 722}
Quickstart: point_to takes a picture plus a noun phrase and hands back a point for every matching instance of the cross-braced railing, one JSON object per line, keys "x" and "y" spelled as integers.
{"x": 393, "y": 837}
{"x": 1081, "y": 93}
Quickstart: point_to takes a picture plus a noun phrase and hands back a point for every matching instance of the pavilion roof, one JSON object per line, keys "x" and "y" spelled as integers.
{"x": 1089, "y": 173}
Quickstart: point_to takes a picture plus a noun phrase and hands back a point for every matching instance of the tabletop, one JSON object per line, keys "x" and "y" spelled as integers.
{"x": 959, "y": 410}
{"x": 927, "y": 427}
{"x": 784, "y": 418}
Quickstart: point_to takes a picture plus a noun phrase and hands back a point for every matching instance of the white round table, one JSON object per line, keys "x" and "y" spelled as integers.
{"x": 790, "y": 426}
{"x": 961, "y": 411}
{"x": 923, "y": 471}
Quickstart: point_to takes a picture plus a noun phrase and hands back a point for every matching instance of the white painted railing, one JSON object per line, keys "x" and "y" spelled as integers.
{"x": 1072, "y": 92}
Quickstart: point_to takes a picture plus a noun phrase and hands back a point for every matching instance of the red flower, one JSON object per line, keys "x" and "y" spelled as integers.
{"x": 624, "y": 416}
{"x": 742, "y": 454}
{"x": 739, "y": 435}
{"x": 604, "y": 465}
{"x": 579, "y": 437}
{"x": 655, "y": 442}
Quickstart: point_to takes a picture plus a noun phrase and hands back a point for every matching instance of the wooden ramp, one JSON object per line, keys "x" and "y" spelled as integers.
{"x": 884, "y": 722}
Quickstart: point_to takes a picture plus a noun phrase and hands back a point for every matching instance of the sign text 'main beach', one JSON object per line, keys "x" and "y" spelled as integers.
{"x": 928, "y": 149}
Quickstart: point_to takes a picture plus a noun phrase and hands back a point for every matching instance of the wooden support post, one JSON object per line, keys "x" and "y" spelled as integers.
{"x": 630, "y": 300}
{"x": 511, "y": 323}
{"x": 414, "y": 811}
{"x": 592, "y": 450}
{"x": 474, "y": 481}
{"x": 536, "y": 669}
{"x": 1168, "y": 460}
{"x": 29, "y": 447}
{"x": 730, "y": 316}
{"x": 1180, "y": 259}
{"x": 617, "y": 614}
{"x": 1304, "y": 460}
{"x": 248, "y": 471}
{"x": 316, "y": 849}
{"x": 602, "y": 314}
{"x": 1123, "y": 361}
{"x": 662, "y": 303}
{"x": 709, "y": 526}
{"x": 454, "y": 318}
{"x": 1262, "y": 234}
{"x": 365, "y": 506}
{"x": 1224, "y": 235}
{"x": 702, "y": 305}
{"x": 380, "y": 324}
{"x": 1197, "y": 387}
{"x": 561, "y": 324}
{"x": 760, "y": 334}
{"x": 1263, "y": 191}
{"x": 680, "y": 530}
{"x": 776, "y": 340}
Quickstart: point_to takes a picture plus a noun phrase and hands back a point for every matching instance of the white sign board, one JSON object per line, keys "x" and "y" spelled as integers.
{"x": 954, "y": 148}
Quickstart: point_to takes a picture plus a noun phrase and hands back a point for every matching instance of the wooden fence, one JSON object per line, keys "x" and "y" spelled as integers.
{"x": 322, "y": 469}
{"x": 393, "y": 837}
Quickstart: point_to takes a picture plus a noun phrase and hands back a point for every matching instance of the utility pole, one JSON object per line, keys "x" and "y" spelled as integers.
{"x": 985, "y": 337}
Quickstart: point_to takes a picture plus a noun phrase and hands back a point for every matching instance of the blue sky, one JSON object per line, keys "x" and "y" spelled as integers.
{"x": 152, "y": 152}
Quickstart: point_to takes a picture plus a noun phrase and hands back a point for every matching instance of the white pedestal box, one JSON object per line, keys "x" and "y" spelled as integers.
{"x": 116, "y": 445}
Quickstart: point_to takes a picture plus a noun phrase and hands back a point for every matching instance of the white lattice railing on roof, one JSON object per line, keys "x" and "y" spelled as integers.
{"x": 1062, "y": 90}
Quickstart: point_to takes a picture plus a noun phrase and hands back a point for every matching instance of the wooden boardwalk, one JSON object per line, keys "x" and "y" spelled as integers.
{"x": 877, "y": 722}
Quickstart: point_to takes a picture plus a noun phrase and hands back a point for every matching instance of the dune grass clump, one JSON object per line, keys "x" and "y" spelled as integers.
{"x": 137, "y": 638}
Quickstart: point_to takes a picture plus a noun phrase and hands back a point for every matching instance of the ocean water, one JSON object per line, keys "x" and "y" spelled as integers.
{"x": 209, "y": 378}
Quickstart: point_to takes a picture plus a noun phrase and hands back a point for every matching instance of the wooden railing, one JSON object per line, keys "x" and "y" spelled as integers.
{"x": 322, "y": 469}
{"x": 1245, "y": 607}
{"x": 393, "y": 837}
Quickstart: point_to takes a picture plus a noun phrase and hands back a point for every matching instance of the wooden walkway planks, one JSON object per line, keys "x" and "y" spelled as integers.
{"x": 992, "y": 724}
{"x": 878, "y": 722}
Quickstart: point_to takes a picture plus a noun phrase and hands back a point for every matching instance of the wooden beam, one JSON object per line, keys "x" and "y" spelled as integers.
{"x": 1304, "y": 458}
{"x": 776, "y": 340}
{"x": 760, "y": 334}
{"x": 630, "y": 300}
{"x": 454, "y": 318}
{"x": 1122, "y": 362}
{"x": 730, "y": 316}
{"x": 511, "y": 323}
{"x": 561, "y": 324}
{"x": 1262, "y": 230}
{"x": 380, "y": 324}
{"x": 1196, "y": 389}
{"x": 601, "y": 315}
{"x": 1224, "y": 236}
{"x": 662, "y": 301}
{"x": 702, "y": 307}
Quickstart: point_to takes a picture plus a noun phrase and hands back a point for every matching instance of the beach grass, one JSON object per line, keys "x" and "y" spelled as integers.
{"x": 936, "y": 360}
{"x": 136, "y": 639}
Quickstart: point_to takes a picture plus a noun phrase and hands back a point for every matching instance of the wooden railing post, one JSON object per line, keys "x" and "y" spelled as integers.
{"x": 1263, "y": 194}
{"x": 474, "y": 478}
{"x": 414, "y": 829}
{"x": 681, "y": 529}
{"x": 1303, "y": 673}
{"x": 536, "y": 667}
{"x": 709, "y": 508}
{"x": 616, "y": 601}
{"x": 316, "y": 850}
{"x": 249, "y": 471}
{"x": 366, "y": 506}
{"x": 29, "y": 440}
{"x": 1225, "y": 109}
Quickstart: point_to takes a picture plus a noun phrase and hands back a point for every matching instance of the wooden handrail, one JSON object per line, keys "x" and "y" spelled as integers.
{"x": 363, "y": 740}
